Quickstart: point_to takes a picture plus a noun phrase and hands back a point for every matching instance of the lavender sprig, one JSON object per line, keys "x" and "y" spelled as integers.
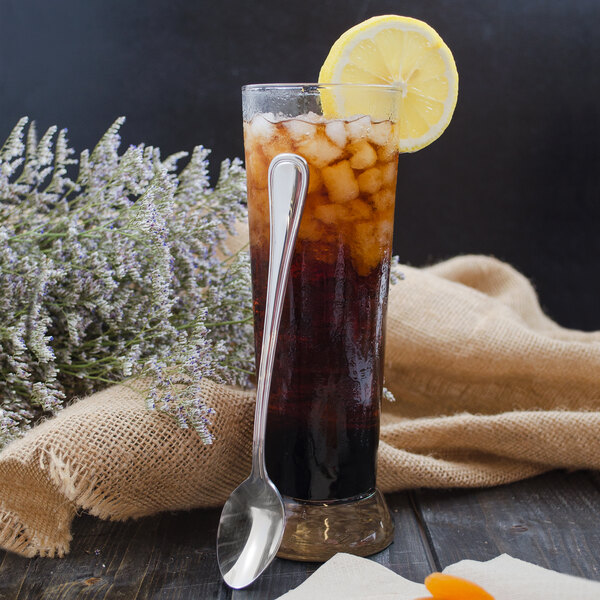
{"x": 115, "y": 272}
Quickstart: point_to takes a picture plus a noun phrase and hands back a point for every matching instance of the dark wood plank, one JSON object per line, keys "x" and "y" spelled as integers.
{"x": 552, "y": 520}
{"x": 183, "y": 563}
{"x": 410, "y": 555}
{"x": 92, "y": 568}
{"x": 163, "y": 556}
{"x": 13, "y": 573}
{"x": 173, "y": 556}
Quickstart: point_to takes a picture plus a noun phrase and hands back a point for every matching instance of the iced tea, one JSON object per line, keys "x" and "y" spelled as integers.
{"x": 323, "y": 417}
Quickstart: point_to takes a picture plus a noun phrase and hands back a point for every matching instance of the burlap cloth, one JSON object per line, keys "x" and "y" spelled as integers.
{"x": 489, "y": 390}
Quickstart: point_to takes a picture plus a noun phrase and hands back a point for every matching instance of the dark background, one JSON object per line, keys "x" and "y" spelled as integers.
{"x": 516, "y": 175}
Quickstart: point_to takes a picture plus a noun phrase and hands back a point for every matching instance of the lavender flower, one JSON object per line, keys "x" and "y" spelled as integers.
{"x": 115, "y": 272}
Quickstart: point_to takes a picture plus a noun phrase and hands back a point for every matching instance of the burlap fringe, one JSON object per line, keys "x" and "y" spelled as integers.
{"x": 16, "y": 537}
{"x": 80, "y": 486}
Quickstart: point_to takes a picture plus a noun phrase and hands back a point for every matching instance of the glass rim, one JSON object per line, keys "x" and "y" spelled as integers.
{"x": 315, "y": 86}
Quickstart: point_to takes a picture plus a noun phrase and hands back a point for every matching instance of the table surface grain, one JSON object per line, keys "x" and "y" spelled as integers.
{"x": 552, "y": 520}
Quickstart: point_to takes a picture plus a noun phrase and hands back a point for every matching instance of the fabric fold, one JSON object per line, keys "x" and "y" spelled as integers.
{"x": 488, "y": 390}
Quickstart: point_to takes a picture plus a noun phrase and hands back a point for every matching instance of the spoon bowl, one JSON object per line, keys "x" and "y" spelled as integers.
{"x": 250, "y": 531}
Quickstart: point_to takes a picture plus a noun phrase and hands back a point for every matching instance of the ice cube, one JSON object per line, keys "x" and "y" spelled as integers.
{"x": 278, "y": 144}
{"x": 251, "y": 144}
{"x": 388, "y": 173}
{"x": 365, "y": 250}
{"x": 359, "y": 210}
{"x": 363, "y": 155}
{"x": 315, "y": 181}
{"x": 385, "y": 230}
{"x": 364, "y": 233}
{"x": 299, "y": 129}
{"x": 319, "y": 150}
{"x": 336, "y": 132}
{"x": 369, "y": 181}
{"x": 340, "y": 182}
{"x": 387, "y": 152}
{"x": 384, "y": 199}
{"x": 380, "y": 133}
{"x": 330, "y": 214}
{"x": 311, "y": 229}
{"x": 256, "y": 169}
{"x": 358, "y": 128}
{"x": 311, "y": 117}
{"x": 261, "y": 127}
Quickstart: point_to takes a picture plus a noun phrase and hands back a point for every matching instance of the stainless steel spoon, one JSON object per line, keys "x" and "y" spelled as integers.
{"x": 253, "y": 519}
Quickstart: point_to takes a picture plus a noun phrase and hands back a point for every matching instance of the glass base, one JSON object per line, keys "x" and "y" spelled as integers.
{"x": 315, "y": 531}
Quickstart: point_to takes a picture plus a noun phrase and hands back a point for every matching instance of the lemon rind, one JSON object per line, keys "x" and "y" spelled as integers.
{"x": 332, "y": 67}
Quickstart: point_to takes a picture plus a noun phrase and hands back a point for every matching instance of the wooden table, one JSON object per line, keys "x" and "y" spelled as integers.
{"x": 552, "y": 520}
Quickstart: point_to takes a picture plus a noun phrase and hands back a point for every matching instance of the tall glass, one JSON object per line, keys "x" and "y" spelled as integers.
{"x": 323, "y": 416}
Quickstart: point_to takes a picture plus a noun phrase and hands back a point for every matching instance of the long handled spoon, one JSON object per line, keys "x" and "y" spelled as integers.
{"x": 253, "y": 519}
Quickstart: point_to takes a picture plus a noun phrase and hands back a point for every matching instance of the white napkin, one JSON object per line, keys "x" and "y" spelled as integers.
{"x": 345, "y": 576}
{"x": 506, "y": 578}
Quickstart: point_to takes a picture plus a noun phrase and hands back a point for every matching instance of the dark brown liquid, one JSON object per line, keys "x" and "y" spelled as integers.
{"x": 323, "y": 418}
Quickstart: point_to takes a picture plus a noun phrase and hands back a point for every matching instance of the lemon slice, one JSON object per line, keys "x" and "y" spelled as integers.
{"x": 403, "y": 52}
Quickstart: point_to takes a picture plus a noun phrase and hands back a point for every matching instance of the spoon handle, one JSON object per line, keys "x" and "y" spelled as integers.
{"x": 288, "y": 182}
